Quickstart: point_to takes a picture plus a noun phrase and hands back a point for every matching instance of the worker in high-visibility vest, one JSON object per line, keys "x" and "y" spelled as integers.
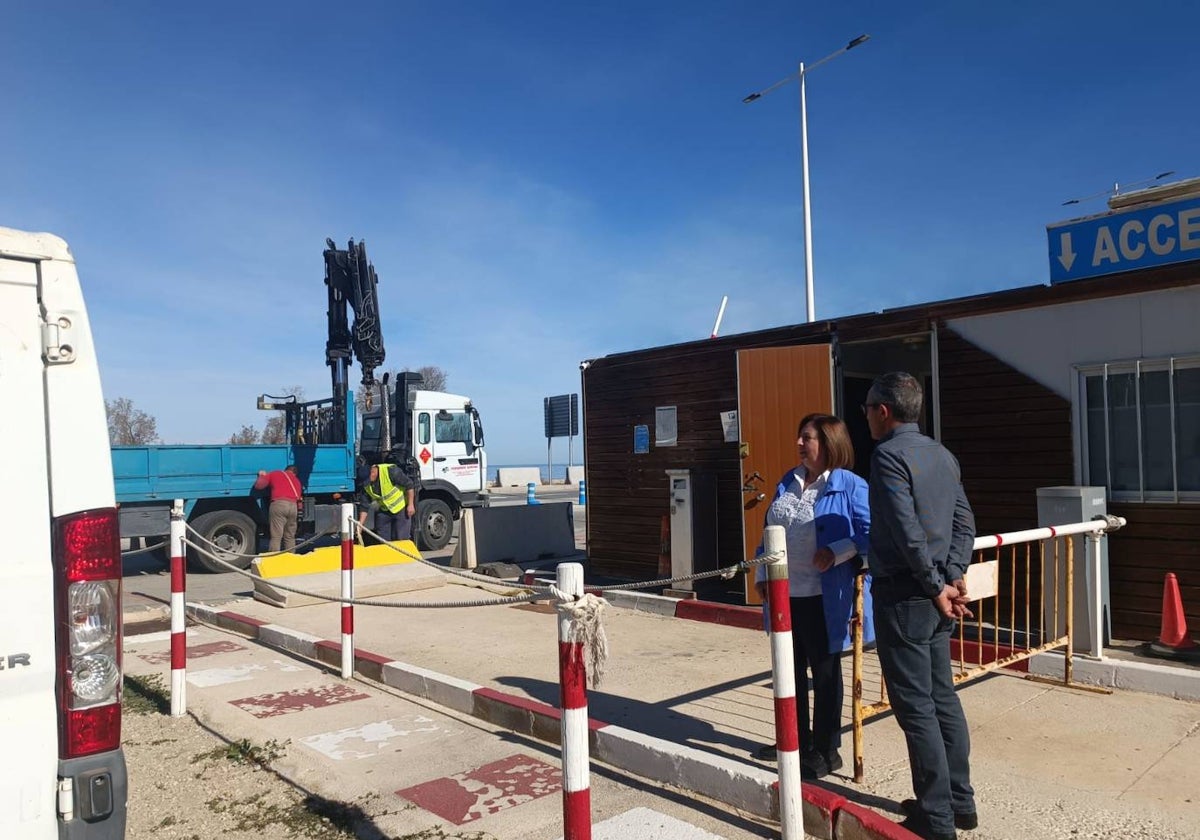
{"x": 394, "y": 500}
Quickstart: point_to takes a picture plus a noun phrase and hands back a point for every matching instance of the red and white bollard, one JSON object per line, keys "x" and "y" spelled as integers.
{"x": 783, "y": 678}
{"x": 178, "y": 616}
{"x": 572, "y": 676}
{"x": 347, "y": 590}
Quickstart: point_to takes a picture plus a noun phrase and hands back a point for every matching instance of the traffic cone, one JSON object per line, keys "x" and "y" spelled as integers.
{"x": 1173, "y": 642}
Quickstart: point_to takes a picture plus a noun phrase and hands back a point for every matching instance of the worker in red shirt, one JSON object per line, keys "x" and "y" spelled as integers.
{"x": 286, "y": 498}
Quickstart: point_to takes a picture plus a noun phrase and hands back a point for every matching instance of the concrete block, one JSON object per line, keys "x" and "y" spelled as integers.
{"x": 575, "y": 475}
{"x": 854, "y": 822}
{"x": 716, "y": 777}
{"x": 329, "y": 559}
{"x": 1086, "y": 671}
{"x": 450, "y": 692}
{"x": 368, "y": 583}
{"x": 641, "y": 602}
{"x": 293, "y": 641}
{"x": 464, "y": 551}
{"x": 820, "y": 807}
{"x": 1180, "y": 683}
{"x": 518, "y": 476}
{"x": 522, "y": 533}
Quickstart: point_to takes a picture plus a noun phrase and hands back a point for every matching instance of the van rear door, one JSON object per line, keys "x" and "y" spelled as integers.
{"x": 64, "y": 774}
{"x": 28, "y": 666}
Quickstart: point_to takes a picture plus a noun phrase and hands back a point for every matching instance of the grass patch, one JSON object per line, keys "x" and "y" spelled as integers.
{"x": 145, "y": 695}
{"x": 245, "y": 752}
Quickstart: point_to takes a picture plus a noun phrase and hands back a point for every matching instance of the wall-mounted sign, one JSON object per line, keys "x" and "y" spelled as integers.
{"x": 1139, "y": 237}
{"x": 641, "y": 440}
{"x": 729, "y": 425}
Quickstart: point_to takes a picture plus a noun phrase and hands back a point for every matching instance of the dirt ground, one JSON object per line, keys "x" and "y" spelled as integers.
{"x": 188, "y": 783}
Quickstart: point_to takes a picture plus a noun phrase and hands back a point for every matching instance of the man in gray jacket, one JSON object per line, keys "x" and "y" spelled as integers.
{"x": 922, "y": 532}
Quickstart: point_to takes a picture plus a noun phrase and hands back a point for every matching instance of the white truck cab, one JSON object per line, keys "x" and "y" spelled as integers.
{"x": 63, "y": 773}
{"x": 440, "y": 437}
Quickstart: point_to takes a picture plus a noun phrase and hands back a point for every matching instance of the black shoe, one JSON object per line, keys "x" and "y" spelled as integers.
{"x": 834, "y": 760}
{"x": 967, "y": 821}
{"x": 767, "y": 753}
{"x": 813, "y": 765}
{"x": 918, "y": 826}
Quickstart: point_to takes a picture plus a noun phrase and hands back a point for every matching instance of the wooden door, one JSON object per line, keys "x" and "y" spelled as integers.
{"x": 776, "y": 387}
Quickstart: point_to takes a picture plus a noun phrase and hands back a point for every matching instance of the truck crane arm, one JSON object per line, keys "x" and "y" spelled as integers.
{"x": 351, "y": 280}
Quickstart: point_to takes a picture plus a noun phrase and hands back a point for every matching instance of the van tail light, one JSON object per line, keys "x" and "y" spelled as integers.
{"x": 87, "y": 563}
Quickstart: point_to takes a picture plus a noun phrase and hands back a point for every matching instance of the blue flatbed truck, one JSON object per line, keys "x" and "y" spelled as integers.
{"x": 216, "y": 484}
{"x": 436, "y": 437}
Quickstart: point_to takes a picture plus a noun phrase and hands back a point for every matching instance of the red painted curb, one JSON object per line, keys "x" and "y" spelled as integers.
{"x": 748, "y": 618}
{"x": 854, "y": 822}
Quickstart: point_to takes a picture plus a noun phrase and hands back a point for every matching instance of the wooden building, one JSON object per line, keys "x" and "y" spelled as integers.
{"x": 1089, "y": 382}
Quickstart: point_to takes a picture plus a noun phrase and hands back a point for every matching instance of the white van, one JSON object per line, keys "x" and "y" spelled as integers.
{"x": 62, "y": 773}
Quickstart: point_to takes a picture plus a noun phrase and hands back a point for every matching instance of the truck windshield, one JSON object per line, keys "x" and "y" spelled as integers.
{"x": 453, "y": 427}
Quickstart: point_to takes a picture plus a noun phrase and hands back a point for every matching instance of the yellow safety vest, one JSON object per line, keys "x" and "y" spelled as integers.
{"x": 391, "y": 498}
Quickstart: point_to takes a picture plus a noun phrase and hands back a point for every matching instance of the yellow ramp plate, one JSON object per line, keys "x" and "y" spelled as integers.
{"x": 329, "y": 559}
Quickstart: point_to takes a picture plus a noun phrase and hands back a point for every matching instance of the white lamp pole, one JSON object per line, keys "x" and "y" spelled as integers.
{"x": 809, "y": 296}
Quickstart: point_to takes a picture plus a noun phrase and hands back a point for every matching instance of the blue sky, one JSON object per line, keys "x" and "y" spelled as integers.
{"x": 540, "y": 183}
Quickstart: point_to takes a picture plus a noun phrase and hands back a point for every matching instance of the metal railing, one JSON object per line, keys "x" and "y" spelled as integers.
{"x": 1030, "y": 596}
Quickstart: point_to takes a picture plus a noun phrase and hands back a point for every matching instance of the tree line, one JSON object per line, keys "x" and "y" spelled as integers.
{"x": 128, "y": 425}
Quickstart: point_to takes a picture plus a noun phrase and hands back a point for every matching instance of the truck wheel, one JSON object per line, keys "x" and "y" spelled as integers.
{"x": 435, "y": 524}
{"x": 233, "y": 532}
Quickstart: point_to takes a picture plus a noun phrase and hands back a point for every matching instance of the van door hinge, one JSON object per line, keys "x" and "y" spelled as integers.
{"x": 66, "y": 798}
{"x": 58, "y": 348}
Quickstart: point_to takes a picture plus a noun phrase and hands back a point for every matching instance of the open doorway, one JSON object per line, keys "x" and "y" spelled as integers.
{"x": 860, "y": 363}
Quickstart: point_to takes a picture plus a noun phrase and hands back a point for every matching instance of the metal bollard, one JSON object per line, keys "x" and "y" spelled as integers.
{"x": 572, "y": 678}
{"x": 582, "y": 492}
{"x": 347, "y": 590}
{"x": 530, "y": 497}
{"x": 178, "y": 616}
{"x": 783, "y": 678}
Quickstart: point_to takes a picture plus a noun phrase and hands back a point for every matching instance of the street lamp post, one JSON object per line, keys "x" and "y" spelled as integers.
{"x": 810, "y": 300}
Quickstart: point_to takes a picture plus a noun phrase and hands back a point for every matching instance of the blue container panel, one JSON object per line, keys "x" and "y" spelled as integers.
{"x": 143, "y": 473}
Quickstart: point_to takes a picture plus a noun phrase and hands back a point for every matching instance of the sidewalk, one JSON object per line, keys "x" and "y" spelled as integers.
{"x": 1045, "y": 758}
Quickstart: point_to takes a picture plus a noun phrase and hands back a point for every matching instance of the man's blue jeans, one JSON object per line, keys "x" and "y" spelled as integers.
{"x": 914, "y": 652}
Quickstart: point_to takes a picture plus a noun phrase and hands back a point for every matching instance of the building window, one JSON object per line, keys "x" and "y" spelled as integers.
{"x": 1141, "y": 428}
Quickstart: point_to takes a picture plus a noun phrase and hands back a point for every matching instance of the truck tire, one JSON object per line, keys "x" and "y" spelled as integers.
{"x": 435, "y": 524}
{"x": 234, "y": 532}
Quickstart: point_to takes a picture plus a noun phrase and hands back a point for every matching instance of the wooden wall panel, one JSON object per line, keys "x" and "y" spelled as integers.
{"x": 1159, "y": 538}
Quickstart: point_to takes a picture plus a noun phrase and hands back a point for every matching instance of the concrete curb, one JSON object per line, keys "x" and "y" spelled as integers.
{"x": 1146, "y": 677}
{"x": 742, "y": 786}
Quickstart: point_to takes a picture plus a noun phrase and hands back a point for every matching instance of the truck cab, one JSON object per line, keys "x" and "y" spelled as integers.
{"x": 60, "y": 629}
{"x": 438, "y": 438}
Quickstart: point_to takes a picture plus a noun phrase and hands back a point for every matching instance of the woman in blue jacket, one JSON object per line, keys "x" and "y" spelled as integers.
{"x": 823, "y": 509}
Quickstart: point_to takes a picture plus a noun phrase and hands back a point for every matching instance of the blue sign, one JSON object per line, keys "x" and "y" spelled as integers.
{"x": 1141, "y": 237}
{"x": 641, "y": 440}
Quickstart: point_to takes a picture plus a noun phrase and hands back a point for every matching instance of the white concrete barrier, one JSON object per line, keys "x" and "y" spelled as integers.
{"x": 518, "y": 476}
{"x": 575, "y": 475}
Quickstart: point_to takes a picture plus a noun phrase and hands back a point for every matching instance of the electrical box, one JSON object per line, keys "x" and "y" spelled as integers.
{"x": 693, "y": 524}
{"x": 1091, "y": 624}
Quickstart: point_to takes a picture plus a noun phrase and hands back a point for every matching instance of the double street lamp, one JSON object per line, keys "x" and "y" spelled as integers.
{"x": 801, "y": 74}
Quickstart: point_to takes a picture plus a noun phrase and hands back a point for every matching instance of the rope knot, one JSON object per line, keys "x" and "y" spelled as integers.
{"x": 586, "y": 628}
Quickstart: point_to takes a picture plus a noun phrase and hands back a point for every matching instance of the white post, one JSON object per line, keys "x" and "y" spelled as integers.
{"x": 178, "y": 616}
{"x": 783, "y": 679}
{"x": 347, "y": 590}
{"x": 809, "y": 298}
{"x": 1097, "y": 649}
{"x": 572, "y": 674}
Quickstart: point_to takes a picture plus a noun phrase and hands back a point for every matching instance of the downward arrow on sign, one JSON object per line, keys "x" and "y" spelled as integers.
{"x": 1067, "y": 257}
